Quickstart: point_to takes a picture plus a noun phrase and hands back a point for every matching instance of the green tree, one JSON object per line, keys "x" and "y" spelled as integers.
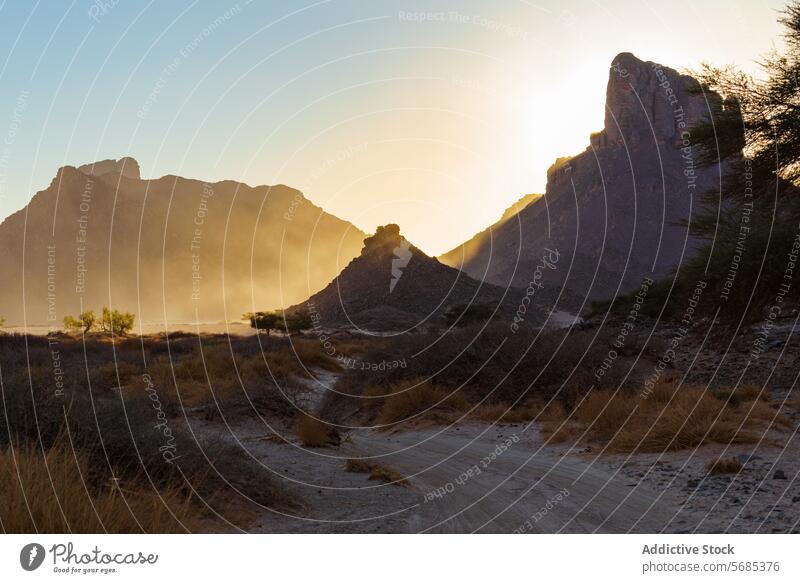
{"x": 749, "y": 223}
{"x": 85, "y": 322}
{"x": 288, "y": 322}
{"x": 264, "y": 321}
{"x": 296, "y": 321}
{"x": 116, "y": 322}
{"x": 2, "y": 321}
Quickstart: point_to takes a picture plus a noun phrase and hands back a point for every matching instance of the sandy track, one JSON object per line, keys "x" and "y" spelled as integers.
{"x": 516, "y": 489}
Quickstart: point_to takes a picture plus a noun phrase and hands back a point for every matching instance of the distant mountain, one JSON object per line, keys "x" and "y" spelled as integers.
{"x": 612, "y": 210}
{"x": 392, "y": 285}
{"x": 171, "y": 249}
{"x": 477, "y": 245}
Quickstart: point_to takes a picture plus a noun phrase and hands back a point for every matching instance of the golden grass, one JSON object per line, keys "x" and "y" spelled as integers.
{"x": 376, "y": 471}
{"x": 313, "y": 432}
{"x": 412, "y": 398}
{"x": 669, "y": 418}
{"x": 357, "y": 466}
{"x": 504, "y": 413}
{"x": 729, "y": 465}
{"x": 32, "y": 503}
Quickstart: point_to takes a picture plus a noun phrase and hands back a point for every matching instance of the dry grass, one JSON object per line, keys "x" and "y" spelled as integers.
{"x": 46, "y": 494}
{"x": 729, "y": 465}
{"x": 794, "y": 401}
{"x": 669, "y": 418}
{"x": 419, "y": 398}
{"x": 376, "y": 472}
{"x": 505, "y": 413}
{"x": 388, "y": 475}
{"x": 357, "y": 466}
{"x": 314, "y": 433}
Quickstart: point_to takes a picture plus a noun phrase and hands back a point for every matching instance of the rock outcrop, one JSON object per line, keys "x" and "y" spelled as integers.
{"x": 614, "y": 210}
{"x": 127, "y": 167}
{"x": 392, "y": 285}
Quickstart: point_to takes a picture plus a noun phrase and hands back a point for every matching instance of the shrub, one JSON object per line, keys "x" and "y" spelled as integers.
{"x": 376, "y": 471}
{"x": 388, "y": 475}
{"x": 357, "y": 466}
{"x": 116, "y": 322}
{"x": 505, "y": 413}
{"x": 289, "y": 322}
{"x": 313, "y": 432}
{"x": 85, "y": 322}
{"x": 414, "y": 398}
{"x": 263, "y": 321}
{"x": 522, "y": 365}
{"x": 729, "y": 465}
{"x": 670, "y": 418}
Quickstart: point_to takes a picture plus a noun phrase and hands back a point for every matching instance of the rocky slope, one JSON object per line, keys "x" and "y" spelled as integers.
{"x": 169, "y": 249}
{"x": 392, "y": 285}
{"x": 612, "y": 210}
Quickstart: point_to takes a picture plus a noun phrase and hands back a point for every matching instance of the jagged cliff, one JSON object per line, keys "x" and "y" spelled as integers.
{"x": 612, "y": 210}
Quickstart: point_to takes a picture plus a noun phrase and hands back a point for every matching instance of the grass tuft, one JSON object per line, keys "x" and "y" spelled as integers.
{"x": 729, "y": 465}
{"x": 314, "y": 433}
{"x": 376, "y": 472}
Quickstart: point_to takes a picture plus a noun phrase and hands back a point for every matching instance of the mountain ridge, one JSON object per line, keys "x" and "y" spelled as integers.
{"x": 170, "y": 249}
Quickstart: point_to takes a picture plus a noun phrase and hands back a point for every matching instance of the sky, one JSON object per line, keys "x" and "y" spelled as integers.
{"x": 435, "y": 115}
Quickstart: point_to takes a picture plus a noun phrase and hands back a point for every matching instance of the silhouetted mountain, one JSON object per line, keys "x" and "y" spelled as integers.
{"x": 171, "y": 249}
{"x": 611, "y": 211}
{"x": 393, "y": 285}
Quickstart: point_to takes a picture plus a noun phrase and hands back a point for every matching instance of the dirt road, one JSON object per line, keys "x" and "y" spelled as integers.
{"x": 481, "y": 479}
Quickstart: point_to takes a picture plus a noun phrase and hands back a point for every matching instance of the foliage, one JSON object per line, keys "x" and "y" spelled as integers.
{"x": 289, "y": 322}
{"x": 749, "y": 223}
{"x": 85, "y": 322}
{"x": 264, "y": 321}
{"x": 116, "y": 322}
{"x": 297, "y": 321}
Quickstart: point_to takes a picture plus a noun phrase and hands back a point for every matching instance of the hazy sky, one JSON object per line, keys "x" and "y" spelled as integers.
{"x": 434, "y": 115}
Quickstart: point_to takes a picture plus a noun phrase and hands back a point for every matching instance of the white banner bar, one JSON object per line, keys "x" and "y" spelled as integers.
{"x": 389, "y": 558}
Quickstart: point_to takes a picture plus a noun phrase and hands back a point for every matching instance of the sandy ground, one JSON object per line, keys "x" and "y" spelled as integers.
{"x": 473, "y": 478}
{"x": 763, "y": 498}
{"x": 482, "y": 478}
{"x": 479, "y": 478}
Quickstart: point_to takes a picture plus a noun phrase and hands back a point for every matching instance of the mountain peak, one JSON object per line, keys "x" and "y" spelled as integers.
{"x": 387, "y": 240}
{"x": 127, "y": 167}
{"x": 393, "y": 285}
{"x": 645, "y": 101}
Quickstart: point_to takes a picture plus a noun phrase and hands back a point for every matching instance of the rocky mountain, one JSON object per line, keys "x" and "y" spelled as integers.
{"x": 169, "y": 249}
{"x": 612, "y": 210}
{"x": 392, "y": 285}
